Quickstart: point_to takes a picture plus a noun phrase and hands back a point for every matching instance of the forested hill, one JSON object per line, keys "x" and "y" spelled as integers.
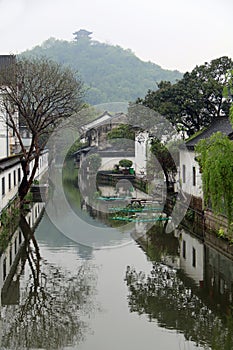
{"x": 112, "y": 73}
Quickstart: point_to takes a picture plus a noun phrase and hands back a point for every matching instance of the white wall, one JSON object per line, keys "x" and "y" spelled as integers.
{"x": 34, "y": 213}
{"x": 8, "y": 142}
{"x": 43, "y": 165}
{"x": 187, "y": 164}
{"x": 11, "y": 187}
{"x": 96, "y": 122}
{"x": 141, "y": 152}
{"x": 15, "y": 172}
{"x": 8, "y": 256}
{"x": 3, "y": 140}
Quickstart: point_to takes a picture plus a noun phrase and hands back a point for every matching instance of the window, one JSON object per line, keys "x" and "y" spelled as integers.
{"x": 10, "y": 255}
{"x": 183, "y": 173}
{"x": 19, "y": 175}
{"x": 9, "y": 181}
{"x": 194, "y": 258}
{"x": 14, "y": 177}
{"x": 3, "y": 187}
{"x": 184, "y": 249}
{"x": 15, "y": 246}
{"x": 4, "y": 269}
{"x": 194, "y": 176}
{"x": 20, "y": 237}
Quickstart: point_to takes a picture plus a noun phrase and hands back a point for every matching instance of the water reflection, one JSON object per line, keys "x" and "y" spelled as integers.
{"x": 50, "y": 236}
{"x": 45, "y": 301}
{"x": 192, "y": 295}
{"x": 219, "y": 279}
{"x": 189, "y": 288}
{"x": 64, "y": 210}
{"x": 42, "y": 304}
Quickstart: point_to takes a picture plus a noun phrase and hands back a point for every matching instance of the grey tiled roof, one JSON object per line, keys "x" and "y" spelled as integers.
{"x": 219, "y": 124}
{"x": 6, "y": 75}
{"x": 8, "y": 162}
{"x": 5, "y": 60}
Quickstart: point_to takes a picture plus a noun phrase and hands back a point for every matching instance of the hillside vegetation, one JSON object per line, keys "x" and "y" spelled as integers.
{"x": 110, "y": 73}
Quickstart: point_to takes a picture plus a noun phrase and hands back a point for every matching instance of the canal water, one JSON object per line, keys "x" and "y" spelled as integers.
{"x": 169, "y": 291}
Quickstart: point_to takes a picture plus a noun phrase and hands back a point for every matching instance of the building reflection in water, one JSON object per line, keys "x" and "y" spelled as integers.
{"x": 189, "y": 288}
{"x": 209, "y": 268}
{"x": 192, "y": 256}
{"x": 12, "y": 260}
{"x": 219, "y": 279}
{"x": 41, "y": 303}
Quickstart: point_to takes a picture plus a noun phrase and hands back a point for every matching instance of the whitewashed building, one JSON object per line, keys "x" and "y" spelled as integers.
{"x": 190, "y": 176}
{"x": 94, "y": 134}
{"x": 10, "y": 178}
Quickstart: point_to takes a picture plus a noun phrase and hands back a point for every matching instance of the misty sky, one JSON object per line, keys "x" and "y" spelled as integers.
{"x": 176, "y": 34}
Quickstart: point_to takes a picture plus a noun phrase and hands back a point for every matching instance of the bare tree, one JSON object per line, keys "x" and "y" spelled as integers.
{"x": 38, "y": 94}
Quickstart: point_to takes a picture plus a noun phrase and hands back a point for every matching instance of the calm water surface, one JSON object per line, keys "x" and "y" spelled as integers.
{"x": 111, "y": 325}
{"x": 114, "y": 295}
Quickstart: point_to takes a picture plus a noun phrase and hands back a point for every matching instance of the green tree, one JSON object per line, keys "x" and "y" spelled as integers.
{"x": 125, "y": 163}
{"x": 195, "y": 100}
{"x": 228, "y": 93}
{"x": 215, "y": 157}
{"x": 165, "y": 159}
{"x": 122, "y": 131}
{"x": 44, "y": 93}
{"x": 165, "y": 296}
{"x": 75, "y": 147}
{"x": 110, "y": 73}
{"x": 122, "y": 137}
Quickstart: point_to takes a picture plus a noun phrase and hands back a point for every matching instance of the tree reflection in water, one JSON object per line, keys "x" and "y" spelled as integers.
{"x": 163, "y": 296}
{"x": 52, "y": 303}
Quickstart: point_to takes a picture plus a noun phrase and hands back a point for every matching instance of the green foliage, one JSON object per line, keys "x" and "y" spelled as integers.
{"x": 231, "y": 115}
{"x": 122, "y": 131}
{"x": 75, "y": 147}
{"x": 162, "y": 295}
{"x": 111, "y": 74}
{"x": 164, "y": 157}
{"x": 221, "y": 233}
{"x": 9, "y": 220}
{"x": 195, "y": 100}
{"x": 29, "y": 195}
{"x": 215, "y": 157}
{"x": 122, "y": 137}
{"x": 5, "y": 217}
{"x": 4, "y": 239}
{"x": 228, "y": 92}
{"x": 125, "y": 163}
{"x": 222, "y": 334}
{"x": 190, "y": 215}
